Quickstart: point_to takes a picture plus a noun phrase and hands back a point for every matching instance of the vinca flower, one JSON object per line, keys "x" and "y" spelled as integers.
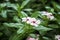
{"x": 57, "y": 37}
{"x": 31, "y": 38}
{"x": 31, "y": 21}
{"x": 49, "y": 15}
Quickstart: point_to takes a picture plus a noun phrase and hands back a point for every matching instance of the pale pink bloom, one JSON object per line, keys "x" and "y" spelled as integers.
{"x": 31, "y": 21}
{"x": 28, "y": 20}
{"x": 38, "y": 21}
{"x": 57, "y": 37}
{"x": 30, "y": 38}
{"x": 25, "y": 19}
{"x": 49, "y": 15}
{"x": 35, "y": 22}
{"x": 44, "y": 13}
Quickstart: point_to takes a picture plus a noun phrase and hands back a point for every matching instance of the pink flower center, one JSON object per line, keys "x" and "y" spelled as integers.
{"x": 33, "y": 21}
{"x": 59, "y": 37}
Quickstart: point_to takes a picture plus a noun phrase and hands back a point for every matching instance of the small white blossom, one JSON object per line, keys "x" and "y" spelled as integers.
{"x": 30, "y": 38}
{"x": 57, "y": 37}
{"x": 28, "y": 20}
{"x": 49, "y": 15}
{"x": 38, "y": 21}
{"x": 31, "y": 21}
{"x": 44, "y": 13}
{"x": 35, "y": 22}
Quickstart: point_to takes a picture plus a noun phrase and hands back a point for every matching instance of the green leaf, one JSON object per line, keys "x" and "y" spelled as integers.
{"x": 1, "y": 33}
{"x": 42, "y": 28}
{"x": 32, "y": 35}
{"x": 53, "y": 26}
{"x": 35, "y": 14}
{"x": 16, "y": 19}
{"x": 46, "y": 38}
{"x": 24, "y": 3}
{"x": 23, "y": 14}
{"x": 15, "y": 37}
{"x": 20, "y": 30}
{"x": 56, "y": 6}
{"x": 49, "y": 9}
{"x": 16, "y": 25}
{"x": 28, "y": 10}
{"x": 4, "y": 14}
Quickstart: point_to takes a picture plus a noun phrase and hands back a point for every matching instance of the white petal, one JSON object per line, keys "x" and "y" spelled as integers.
{"x": 38, "y": 21}
{"x": 23, "y": 19}
{"x": 28, "y": 22}
{"x": 44, "y": 13}
{"x": 31, "y": 39}
{"x": 33, "y": 19}
{"x": 34, "y": 24}
{"x": 58, "y": 39}
{"x": 50, "y": 13}
{"x": 28, "y": 17}
{"x": 52, "y": 17}
{"x": 57, "y": 36}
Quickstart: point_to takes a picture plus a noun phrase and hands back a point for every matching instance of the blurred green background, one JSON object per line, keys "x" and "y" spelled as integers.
{"x": 10, "y": 17}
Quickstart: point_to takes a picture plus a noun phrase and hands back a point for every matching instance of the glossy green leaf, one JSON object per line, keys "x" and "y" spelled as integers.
{"x": 24, "y": 3}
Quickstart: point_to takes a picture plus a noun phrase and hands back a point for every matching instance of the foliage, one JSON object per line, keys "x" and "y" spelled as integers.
{"x": 12, "y": 12}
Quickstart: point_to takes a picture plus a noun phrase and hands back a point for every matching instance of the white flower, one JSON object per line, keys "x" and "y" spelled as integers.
{"x": 38, "y": 21}
{"x": 30, "y": 38}
{"x": 44, "y": 13}
{"x": 49, "y": 15}
{"x": 57, "y": 37}
{"x": 28, "y": 20}
{"x": 31, "y": 21}
{"x": 24, "y": 19}
{"x": 35, "y": 22}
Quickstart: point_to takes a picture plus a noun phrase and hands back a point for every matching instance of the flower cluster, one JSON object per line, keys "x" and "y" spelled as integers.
{"x": 57, "y": 37}
{"x": 31, "y": 21}
{"x": 49, "y": 15}
{"x": 31, "y": 38}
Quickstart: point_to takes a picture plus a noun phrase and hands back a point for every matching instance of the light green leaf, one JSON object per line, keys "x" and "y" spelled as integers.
{"x": 23, "y": 14}
{"x": 1, "y": 33}
{"x": 16, "y": 19}
{"x": 49, "y": 9}
{"x": 53, "y": 26}
{"x": 4, "y": 14}
{"x": 35, "y": 14}
{"x": 42, "y": 28}
{"x": 24, "y": 3}
{"x": 20, "y": 30}
{"x": 28, "y": 10}
{"x": 16, "y": 25}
